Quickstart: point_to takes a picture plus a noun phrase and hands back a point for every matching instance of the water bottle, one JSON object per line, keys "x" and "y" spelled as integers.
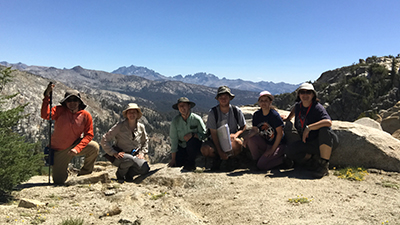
{"x": 134, "y": 152}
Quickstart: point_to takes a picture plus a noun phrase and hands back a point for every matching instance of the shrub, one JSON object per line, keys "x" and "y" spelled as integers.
{"x": 349, "y": 173}
{"x": 20, "y": 160}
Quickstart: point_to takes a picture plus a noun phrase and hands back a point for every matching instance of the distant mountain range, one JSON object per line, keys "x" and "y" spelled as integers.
{"x": 209, "y": 80}
{"x": 158, "y": 95}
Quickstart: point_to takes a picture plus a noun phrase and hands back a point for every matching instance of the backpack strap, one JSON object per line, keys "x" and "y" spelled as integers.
{"x": 235, "y": 113}
{"x": 214, "y": 109}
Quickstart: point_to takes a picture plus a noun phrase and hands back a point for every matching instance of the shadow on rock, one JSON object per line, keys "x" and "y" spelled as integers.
{"x": 140, "y": 178}
{"x": 297, "y": 172}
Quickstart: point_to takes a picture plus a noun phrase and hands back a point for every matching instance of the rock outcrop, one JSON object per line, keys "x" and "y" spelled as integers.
{"x": 365, "y": 147}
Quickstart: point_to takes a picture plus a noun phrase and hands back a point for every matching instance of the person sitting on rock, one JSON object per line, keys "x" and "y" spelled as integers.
{"x": 73, "y": 133}
{"x": 130, "y": 145}
{"x": 186, "y": 133}
{"x": 265, "y": 137}
{"x": 224, "y": 114}
{"x": 313, "y": 124}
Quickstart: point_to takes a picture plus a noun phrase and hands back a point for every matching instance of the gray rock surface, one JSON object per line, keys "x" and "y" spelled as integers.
{"x": 366, "y": 121}
{"x": 365, "y": 147}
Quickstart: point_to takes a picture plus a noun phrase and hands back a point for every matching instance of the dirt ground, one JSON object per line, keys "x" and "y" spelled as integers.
{"x": 169, "y": 196}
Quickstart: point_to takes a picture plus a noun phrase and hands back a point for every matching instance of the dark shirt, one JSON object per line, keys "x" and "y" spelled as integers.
{"x": 316, "y": 113}
{"x": 267, "y": 124}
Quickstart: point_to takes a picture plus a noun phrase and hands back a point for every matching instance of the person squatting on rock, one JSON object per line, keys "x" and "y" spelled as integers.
{"x": 130, "y": 145}
{"x": 72, "y": 135}
{"x": 313, "y": 124}
{"x": 223, "y": 113}
{"x": 187, "y": 131}
{"x": 265, "y": 137}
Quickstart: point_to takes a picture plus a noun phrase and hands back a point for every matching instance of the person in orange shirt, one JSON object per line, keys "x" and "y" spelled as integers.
{"x": 72, "y": 135}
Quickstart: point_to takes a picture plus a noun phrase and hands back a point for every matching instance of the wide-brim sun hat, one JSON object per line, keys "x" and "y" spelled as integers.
{"x": 132, "y": 106}
{"x": 223, "y": 90}
{"x": 306, "y": 86}
{"x": 185, "y": 100}
{"x": 266, "y": 93}
{"x": 73, "y": 93}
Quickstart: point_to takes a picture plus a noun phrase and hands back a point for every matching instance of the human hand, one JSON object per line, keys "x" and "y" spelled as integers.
{"x": 140, "y": 156}
{"x": 187, "y": 137}
{"x": 119, "y": 155}
{"x": 223, "y": 156}
{"x": 49, "y": 89}
{"x": 171, "y": 163}
{"x": 305, "y": 134}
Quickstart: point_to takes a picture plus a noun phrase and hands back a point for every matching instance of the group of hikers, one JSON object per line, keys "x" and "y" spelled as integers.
{"x": 126, "y": 143}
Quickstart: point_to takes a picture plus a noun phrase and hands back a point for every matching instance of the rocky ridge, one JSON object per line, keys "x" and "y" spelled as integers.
{"x": 355, "y": 91}
{"x": 209, "y": 80}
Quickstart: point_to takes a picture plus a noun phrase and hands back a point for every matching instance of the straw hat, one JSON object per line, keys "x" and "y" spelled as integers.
{"x": 132, "y": 106}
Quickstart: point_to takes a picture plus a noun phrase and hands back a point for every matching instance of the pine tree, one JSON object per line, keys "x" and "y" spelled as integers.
{"x": 19, "y": 160}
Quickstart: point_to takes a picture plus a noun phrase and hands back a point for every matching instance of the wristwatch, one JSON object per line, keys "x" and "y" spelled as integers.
{"x": 307, "y": 127}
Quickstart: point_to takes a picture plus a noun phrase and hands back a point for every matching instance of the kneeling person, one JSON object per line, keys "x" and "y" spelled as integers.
{"x": 73, "y": 133}
{"x": 131, "y": 144}
{"x": 224, "y": 114}
{"x": 186, "y": 133}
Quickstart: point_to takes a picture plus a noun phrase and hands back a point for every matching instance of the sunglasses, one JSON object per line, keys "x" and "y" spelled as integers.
{"x": 304, "y": 92}
{"x": 72, "y": 100}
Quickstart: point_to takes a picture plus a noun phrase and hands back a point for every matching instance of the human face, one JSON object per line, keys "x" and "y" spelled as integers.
{"x": 132, "y": 114}
{"x": 264, "y": 102}
{"x": 184, "y": 109}
{"x": 306, "y": 95}
{"x": 73, "y": 103}
{"x": 224, "y": 99}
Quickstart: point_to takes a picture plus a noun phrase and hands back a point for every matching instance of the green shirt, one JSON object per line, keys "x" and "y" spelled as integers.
{"x": 179, "y": 128}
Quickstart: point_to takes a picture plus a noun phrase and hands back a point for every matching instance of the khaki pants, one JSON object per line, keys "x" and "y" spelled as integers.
{"x": 62, "y": 159}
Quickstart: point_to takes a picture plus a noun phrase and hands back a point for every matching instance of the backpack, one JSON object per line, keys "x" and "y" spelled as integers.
{"x": 215, "y": 111}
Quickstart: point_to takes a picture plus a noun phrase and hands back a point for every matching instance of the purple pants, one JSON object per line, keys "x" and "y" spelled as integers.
{"x": 258, "y": 146}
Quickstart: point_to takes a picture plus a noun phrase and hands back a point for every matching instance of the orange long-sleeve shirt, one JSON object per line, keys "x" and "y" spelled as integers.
{"x": 68, "y": 127}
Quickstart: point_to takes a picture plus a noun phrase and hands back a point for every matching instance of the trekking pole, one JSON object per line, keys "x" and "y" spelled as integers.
{"x": 50, "y": 123}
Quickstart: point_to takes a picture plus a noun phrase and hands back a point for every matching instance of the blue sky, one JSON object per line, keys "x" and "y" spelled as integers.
{"x": 289, "y": 41}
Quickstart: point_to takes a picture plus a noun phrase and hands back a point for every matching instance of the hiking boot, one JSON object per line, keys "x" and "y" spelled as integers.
{"x": 322, "y": 169}
{"x": 119, "y": 177}
{"x": 312, "y": 164}
{"x": 287, "y": 163}
{"x": 228, "y": 165}
{"x": 188, "y": 168}
{"x": 216, "y": 163}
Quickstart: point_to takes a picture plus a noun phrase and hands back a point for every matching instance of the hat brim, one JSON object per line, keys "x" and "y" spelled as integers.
{"x": 230, "y": 94}
{"x": 138, "y": 109}
{"x": 175, "y": 106}
{"x": 83, "y": 105}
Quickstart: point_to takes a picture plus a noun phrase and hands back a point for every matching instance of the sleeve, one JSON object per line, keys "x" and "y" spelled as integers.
{"x": 107, "y": 139}
{"x": 87, "y": 133}
{"x": 45, "y": 110}
{"x": 173, "y": 135}
{"x": 211, "y": 123}
{"x": 277, "y": 120}
{"x": 201, "y": 129}
{"x": 323, "y": 113}
{"x": 242, "y": 120}
{"x": 254, "y": 119}
{"x": 144, "y": 140}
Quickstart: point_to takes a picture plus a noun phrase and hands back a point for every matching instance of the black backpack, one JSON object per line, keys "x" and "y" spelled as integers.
{"x": 235, "y": 113}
